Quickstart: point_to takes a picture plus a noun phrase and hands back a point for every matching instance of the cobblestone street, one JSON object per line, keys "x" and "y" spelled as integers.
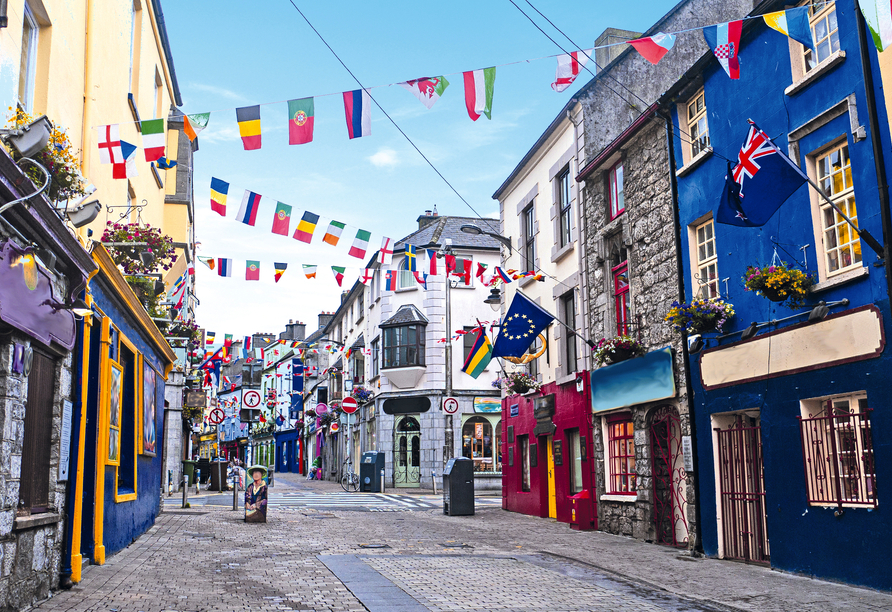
{"x": 207, "y": 559}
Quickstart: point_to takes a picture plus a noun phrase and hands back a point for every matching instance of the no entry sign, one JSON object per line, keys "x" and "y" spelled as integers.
{"x": 450, "y": 405}
{"x": 251, "y": 399}
{"x": 349, "y": 405}
{"x": 216, "y": 416}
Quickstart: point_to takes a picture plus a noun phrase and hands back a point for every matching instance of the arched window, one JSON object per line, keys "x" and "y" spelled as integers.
{"x": 406, "y": 279}
{"x": 481, "y": 445}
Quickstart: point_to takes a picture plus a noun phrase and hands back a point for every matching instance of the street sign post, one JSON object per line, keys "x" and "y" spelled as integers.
{"x": 450, "y": 405}
{"x": 349, "y": 404}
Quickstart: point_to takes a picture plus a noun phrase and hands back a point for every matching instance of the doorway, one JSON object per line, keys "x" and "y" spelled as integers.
{"x": 669, "y": 478}
{"x": 552, "y": 500}
{"x": 741, "y": 488}
{"x": 407, "y": 453}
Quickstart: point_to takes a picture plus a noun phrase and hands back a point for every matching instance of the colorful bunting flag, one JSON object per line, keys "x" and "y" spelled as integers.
{"x": 152, "y": 138}
{"x": 224, "y": 266}
{"x": 338, "y": 272}
{"x": 653, "y": 48}
{"x": 390, "y": 280}
{"x": 500, "y": 273}
{"x": 219, "y": 191}
{"x": 463, "y": 269}
{"x": 280, "y": 270}
{"x": 410, "y": 258}
{"x": 301, "y": 114}
{"x": 309, "y": 271}
{"x": 127, "y": 168}
{"x": 479, "y": 356}
{"x": 358, "y": 110}
{"x": 428, "y": 90}
{"x": 248, "y": 119}
{"x": 724, "y": 40}
{"x": 333, "y": 234}
{"x": 360, "y": 244}
{"x": 450, "y": 264}
{"x": 282, "y": 219}
{"x": 247, "y": 213}
{"x": 208, "y": 261}
{"x": 794, "y": 23}
{"x": 252, "y": 270}
{"x": 479, "y": 86}
{"x": 193, "y": 124}
{"x": 432, "y": 260}
{"x": 421, "y": 279}
{"x": 209, "y": 337}
{"x": 878, "y": 15}
{"x": 110, "y": 145}
{"x": 569, "y": 66}
{"x": 367, "y": 275}
{"x": 166, "y": 164}
{"x": 481, "y": 268}
{"x": 306, "y": 227}
{"x": 385, "y": 255}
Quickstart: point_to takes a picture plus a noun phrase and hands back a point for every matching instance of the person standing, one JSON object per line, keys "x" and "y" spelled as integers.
{"x": 255, "y": 496}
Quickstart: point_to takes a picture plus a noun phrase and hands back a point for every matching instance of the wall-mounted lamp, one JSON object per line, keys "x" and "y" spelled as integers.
{"x": 147, "y": 257}
{"x": 750, "y": 331}
{"x": 31, "y": 138}
{"x": 80, "y": 309}
{"x": 819, "y": 312}
{"x": 84, "y": 214}
{"x": 695, "y": 344}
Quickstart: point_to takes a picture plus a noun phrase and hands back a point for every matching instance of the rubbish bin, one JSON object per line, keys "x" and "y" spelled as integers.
{"x": 580, "y": 513}
{"x": 458, "y": 487}
{"x": 218, "y": 475}
{"x": 370, "y": 467}
{"x": 189, "y": 470}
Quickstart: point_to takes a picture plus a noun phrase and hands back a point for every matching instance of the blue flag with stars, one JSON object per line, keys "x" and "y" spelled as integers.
{"x": 523, "y": 322}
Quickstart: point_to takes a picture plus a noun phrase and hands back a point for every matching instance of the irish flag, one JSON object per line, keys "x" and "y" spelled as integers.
{"x": 479, "y": 86}
{"x": 193, "y": 124}
{"x": 309, "y": 271}
{"x": 333, "y": 233}
{"x": 153, "y": 138}
{"x": 360, "y": 244}
{"x": 338, "y": 272}
{"x": 282, "y": 219}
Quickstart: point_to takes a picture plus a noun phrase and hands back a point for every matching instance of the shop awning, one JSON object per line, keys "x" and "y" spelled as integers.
{"x": 635, "y": 381}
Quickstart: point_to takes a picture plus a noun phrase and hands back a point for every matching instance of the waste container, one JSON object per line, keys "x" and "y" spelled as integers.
{"x": 370, "y": 467}
{"x": 218, "y": 475}
{"x": 189, "y": 470}
{"x": 581, "y": 511}
{"x": 458, "y": 487}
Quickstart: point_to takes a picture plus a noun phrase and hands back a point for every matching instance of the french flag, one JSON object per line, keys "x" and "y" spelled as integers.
{"x": 358, "y": 110}
{"x": 653, "y": 48}
{"x": 247, "y": 214}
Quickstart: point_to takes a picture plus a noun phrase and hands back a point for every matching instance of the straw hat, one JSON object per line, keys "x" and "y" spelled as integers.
{"x": 253, "y": 468}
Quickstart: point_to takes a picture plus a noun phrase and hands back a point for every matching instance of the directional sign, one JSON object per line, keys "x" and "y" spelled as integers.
{"x": 216, "y": 416}
{"x": 251, "y": 398}
{"x": 450, "y": 405}
{"x": 349, "y": 405}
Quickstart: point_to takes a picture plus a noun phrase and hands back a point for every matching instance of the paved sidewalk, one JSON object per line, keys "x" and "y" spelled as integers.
{"x": 208, "y": 559}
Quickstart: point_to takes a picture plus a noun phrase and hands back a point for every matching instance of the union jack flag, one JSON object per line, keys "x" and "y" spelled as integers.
{"x": 757, "y": 145}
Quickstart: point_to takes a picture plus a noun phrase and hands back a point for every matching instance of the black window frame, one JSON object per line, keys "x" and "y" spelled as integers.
{"x": 528, "y": 228}
{"x": 565, "y": 232}
{"x": 571, "y": 355}
{"x": 391, "y": 349}
{"x": 376, "y": 358}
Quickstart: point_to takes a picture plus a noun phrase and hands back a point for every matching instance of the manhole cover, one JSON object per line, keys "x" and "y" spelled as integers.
{"x": 374, "y": 546}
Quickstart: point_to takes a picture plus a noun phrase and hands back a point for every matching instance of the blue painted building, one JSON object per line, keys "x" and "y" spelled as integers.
{"x": 792, "y": 431}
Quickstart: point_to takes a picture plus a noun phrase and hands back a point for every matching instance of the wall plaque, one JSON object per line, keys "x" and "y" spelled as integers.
{"x": 558, "y": 452}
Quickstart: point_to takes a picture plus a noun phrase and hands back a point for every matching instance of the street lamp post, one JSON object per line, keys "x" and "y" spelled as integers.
{"x": 449, "y": 431}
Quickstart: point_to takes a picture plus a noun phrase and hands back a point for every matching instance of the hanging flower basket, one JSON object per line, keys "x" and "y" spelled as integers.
{"x": 699, "y": 316}
{"x": 517, "y": 383}
{"x": 617, "y": 349}
{"x": 779, "y": 284}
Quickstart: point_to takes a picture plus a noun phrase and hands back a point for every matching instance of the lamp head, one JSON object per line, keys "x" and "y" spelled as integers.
{"x": 819, "y": 312}
{"x": 84, "y": 214}
{"x": 80, "y": 309}
{"x": 147, "y": 257}
{"x": 750, "y": 331}
{"x": 494, "y": 299}
{"x": 471, "y": 229}
{"x": 159, "y": 287}
{"x": 695, "y": 344}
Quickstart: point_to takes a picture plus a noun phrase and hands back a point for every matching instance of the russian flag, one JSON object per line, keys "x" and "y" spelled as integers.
{"x": 358, "y": 110}
{"x": 247, "y": 214}
{"x": 653, "y": 48}
{"x": 224, "y": 266}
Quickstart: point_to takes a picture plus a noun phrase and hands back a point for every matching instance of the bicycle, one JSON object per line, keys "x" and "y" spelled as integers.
{"x": 349, "y": 478}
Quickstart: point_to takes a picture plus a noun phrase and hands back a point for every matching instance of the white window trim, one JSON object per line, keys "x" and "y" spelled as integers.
{"x": 687, "y": 148}
{"x": 31, "y": 71}
{"x": 695, "y": 255}
{"x": 799, "y": 77}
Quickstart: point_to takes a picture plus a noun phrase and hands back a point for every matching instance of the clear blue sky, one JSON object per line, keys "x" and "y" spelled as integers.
{"x": 230, "y": 54}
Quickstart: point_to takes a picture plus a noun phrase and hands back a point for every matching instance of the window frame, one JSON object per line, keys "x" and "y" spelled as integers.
{"x": 569, "y": 353}
{"x": 701, "y": 142}
{"x": 523, "y": 446}
{"x": 621, "y": 465}
{"x": 815, "y": 17}
{"x": 845, "y": 199}
{"x": 37, "y": 443}
{"x": 405, "y": 279}
{"x": 376, "y": 358}
{"x": 393, "y": 333}
{"x": 564, "y": 202}
{"x": 621, "y": 298}
{"x": 28, "y": 76}
{"x": 528, "y": 233}
{"x": 616, "y": 197}
{"x": 493, "y": 446}
{"x": 709, "y": 289}
{"x": 575, "y": 457}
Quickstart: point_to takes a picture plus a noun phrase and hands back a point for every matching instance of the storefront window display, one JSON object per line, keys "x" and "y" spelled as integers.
{"x": 480, "y": 444}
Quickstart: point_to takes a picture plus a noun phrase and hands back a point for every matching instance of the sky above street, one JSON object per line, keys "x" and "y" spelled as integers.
{"x": 230, "y": 54}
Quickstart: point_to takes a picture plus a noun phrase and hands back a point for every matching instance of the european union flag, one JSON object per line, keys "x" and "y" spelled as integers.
{"x": 761, "y": 181}
{"x": 524, "y": 321}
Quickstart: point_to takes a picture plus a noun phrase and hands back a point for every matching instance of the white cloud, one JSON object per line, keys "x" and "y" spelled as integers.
{"x": 385, "y": 158}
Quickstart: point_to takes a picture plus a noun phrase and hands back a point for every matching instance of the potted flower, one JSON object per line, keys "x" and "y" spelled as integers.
{"x": 361, "y": 394}
{"x": 699, "y": 315}
{"x": 517, "y": 383}
{"x": 616, "y": 349}
{"x": 779, "y": 283}
{"x": 127, "y": 241}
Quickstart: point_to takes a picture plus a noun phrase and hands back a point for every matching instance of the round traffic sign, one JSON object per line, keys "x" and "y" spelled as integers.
{"x": 321, "y": 409}
{"x": 216, "y": 416}
{"x": 349, "y": 405}
{"x": 335, "y": 427}
{"x": 450, "y": 405}
{"x": 251, "y": 399}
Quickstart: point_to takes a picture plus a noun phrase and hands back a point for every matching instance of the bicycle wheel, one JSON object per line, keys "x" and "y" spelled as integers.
{"x": 353, "y": 482}
{"x": 346, "y": 481}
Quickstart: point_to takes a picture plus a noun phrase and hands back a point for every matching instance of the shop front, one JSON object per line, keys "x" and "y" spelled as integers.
{"x": 288, "y": 451}
{"x": 481, "y": 441}
{"x": 548, "y": 467}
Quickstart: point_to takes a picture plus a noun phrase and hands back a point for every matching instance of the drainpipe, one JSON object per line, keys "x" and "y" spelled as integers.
{"x": 878, "y": 160}
{"x": 88, "y": 106}
{"x": 676, "y": 221}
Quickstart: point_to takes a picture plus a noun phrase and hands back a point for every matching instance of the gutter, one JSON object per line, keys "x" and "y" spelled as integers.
{"x": 165, "y": 44}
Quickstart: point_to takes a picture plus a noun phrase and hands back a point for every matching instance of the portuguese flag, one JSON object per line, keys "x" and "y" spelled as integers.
{"x": 282, "y": 219}
{"x": 300, "y": 121}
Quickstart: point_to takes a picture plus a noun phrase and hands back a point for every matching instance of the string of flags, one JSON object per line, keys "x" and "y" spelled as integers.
{"x": 479, "y": 87}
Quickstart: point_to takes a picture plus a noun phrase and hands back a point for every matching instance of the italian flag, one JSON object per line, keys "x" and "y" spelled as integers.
{"x": 479, "y": 85}
{"x": 360, "y": 244}
{"x": 153, "y": 138}
{"x": 338, "y": 272}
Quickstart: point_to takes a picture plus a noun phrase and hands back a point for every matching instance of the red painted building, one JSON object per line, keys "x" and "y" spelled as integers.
{"x": 547, "y": 457}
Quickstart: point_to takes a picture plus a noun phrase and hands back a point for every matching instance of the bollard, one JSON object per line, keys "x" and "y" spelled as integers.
{"x": 185, "y": 489}
{"x": 383, "y": 486}
{"x": 434, "y": 480}
{"x": 235, "y": 489}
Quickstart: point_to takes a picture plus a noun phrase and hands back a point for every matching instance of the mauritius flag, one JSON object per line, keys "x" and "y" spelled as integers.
{"x": 479, "y": 356}
{"x": 301, "y": 114}
{"x": 282, "y": 219}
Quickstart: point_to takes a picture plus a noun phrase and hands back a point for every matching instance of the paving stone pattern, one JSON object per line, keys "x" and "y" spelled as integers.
{"x": 208, "y": 559}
